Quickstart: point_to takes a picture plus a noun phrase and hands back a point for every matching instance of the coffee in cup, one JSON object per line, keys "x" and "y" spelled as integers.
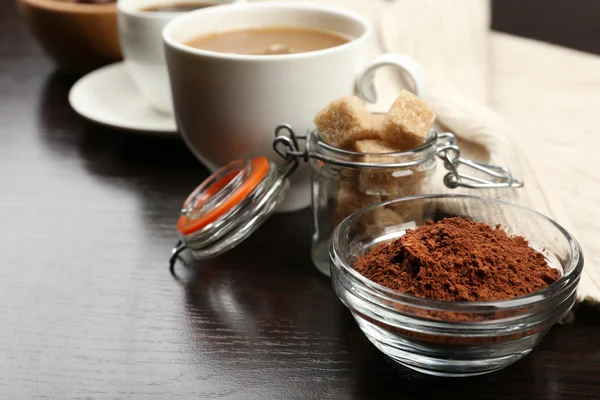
{"x": 269, "y": 40}
{"x": 176, "y": 7}
{"x": 230, "y": 97}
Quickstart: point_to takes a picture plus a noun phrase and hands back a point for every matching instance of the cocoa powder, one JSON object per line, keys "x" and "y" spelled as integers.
{"x": 456, "y": 259}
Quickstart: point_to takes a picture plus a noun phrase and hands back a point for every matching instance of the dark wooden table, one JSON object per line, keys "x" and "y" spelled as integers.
{"x": 88, "y": 309}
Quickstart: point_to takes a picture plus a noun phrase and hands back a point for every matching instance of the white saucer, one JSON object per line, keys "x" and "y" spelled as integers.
{"x": 109, "y": 97}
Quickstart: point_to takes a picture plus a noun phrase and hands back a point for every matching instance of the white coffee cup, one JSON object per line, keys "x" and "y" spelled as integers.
{"x": 140, "y": 34}
{"x": 228, "y": 105}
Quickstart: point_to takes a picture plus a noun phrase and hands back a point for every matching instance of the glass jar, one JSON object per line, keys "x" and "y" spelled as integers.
{"x": 234, "y": 201}
{"x": 344, "y": 182}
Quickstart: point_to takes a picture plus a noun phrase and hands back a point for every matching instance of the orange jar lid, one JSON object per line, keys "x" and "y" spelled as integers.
{"x": 229, "y": 205}
{"x": 213, "y": 186}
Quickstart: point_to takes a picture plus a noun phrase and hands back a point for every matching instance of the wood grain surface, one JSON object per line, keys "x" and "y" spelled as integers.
{"x": 88, "y": 309}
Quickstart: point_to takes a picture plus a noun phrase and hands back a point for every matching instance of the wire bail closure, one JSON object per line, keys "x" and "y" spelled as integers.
{"x": 287, "y": 145}
{"x": 450, "y": 154}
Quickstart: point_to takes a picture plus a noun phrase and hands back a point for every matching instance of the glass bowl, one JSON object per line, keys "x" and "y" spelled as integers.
{"x": 453, "y": 338}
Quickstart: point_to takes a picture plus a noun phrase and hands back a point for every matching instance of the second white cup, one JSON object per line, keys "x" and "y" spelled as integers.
{"x": 140, "y": 32}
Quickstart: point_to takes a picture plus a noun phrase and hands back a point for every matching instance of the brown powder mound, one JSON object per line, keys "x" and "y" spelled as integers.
{"x": 456, "y": 259}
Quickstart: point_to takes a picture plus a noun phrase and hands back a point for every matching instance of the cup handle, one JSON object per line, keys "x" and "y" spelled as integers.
{"x": 365, "y": 86}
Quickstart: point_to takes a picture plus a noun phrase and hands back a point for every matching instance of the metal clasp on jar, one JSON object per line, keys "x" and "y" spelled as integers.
{"x": 286, "y": 144}
{"x": 449, "y": 152}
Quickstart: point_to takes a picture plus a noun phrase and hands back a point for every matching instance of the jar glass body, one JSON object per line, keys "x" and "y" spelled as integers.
{"x": 344, "y": 182}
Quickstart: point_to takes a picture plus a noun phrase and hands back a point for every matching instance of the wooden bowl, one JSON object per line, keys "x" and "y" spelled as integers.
{"x": 79, "y": 37}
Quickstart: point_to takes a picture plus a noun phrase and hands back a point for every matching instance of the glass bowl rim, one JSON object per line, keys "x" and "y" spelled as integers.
{"x": 463, "y": 306}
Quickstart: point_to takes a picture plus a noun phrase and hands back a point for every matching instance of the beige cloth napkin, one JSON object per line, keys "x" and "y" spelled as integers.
{"x": 456, "y": 49}
{"x": 514, "y": 102}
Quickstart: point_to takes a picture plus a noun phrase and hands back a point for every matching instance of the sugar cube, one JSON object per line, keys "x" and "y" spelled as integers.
{"x": 344, "y": 121}
{"x": 408, "y": 122}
